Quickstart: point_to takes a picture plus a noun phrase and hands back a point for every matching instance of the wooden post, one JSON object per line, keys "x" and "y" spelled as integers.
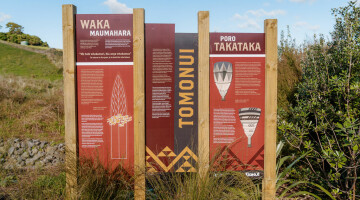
{"x": 270, "y": 26}
{"x": 203, "y": 85}
{"x": 139, "y": 102}
{"x": 69, "y": 60}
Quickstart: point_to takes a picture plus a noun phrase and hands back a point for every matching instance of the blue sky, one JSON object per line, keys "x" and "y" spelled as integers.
{"x": 304, "y": 17}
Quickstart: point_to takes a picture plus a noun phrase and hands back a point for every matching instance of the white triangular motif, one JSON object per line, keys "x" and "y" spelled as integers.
{"x": 216, "y": 68}
{"x": 223, "y": 77}
{"x": 229, "y": 68}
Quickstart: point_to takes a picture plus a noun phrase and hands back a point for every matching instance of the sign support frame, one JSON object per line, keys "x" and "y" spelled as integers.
{"x": 139, "y": 101}
{"x": 70, "y": 100}
{"x": 70, "y": 106}
{"x": 203, "y": 92}
{"x": 271, "y": 59}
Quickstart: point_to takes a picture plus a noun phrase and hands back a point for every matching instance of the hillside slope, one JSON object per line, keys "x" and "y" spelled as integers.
{"x": 20, "y": 62}
{"x": 31, "y": 95}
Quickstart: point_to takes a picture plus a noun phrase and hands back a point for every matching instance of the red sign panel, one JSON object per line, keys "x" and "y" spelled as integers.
{"x": 237, "y": 101}
{"x": 105, "y": 88}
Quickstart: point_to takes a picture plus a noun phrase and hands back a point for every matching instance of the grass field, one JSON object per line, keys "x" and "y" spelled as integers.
{"x": 18, "y": 62}
{"x": 38, "y": 47}
{"x": 31, "y": 96}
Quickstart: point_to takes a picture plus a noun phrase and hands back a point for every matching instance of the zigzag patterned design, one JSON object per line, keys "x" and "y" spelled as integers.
{"x": 227, "y": 160}
{"x": 153, "y": 166}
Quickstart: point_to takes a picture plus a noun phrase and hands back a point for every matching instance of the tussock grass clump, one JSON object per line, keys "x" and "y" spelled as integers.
{"x": 31, "y": 108}
{"x": 96, "y": 181}
{"x": 227, "y": 185}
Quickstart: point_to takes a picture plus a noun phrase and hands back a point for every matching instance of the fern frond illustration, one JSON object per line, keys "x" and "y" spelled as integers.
{"x": 118, "y": 97}
{"x": 118, "y": 113}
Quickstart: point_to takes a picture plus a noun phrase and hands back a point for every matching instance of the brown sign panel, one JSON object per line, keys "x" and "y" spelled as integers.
{"x": 105, "y": 88}
{"x": 186, "y": 101}
{"x": 237, "y": 101}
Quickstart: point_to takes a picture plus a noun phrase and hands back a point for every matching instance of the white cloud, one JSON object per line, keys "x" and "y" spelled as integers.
{"x": 300, "y": 24}
{"x": 262, "y": 12}
{"x": 252, "y": 18}
{"x": 117, "y": 7}
{"x": 314, "y": 28}
{"x": 250, "y": 24}
{"x": 266, "y": 4}
{"x": 4, "y": 17}
{"x": 304, "y": 25}
{"x": 240, "y": 17}
{"x": 302, "y": 1}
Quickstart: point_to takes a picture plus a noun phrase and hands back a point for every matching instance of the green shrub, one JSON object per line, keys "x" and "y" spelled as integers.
{"x": 3, "y": 36}
{"x": 289, "y": 70}
{"x": 16, "y": 35}
{"x": 325, "y": 116}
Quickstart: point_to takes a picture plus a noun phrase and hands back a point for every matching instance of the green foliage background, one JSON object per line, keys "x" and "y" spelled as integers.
{"x": 323, "y": 117}
{"x": 16, "y": 35}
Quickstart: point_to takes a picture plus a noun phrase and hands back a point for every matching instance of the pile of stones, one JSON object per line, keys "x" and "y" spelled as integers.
{"x": 30, "y": 153}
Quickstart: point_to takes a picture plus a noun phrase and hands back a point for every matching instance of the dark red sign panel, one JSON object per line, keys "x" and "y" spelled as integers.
{"x": 160, "y": 44}
{"x": 104, "y": 38}
{"x": 105, "y": 88}
{"x": 237, "y": 101}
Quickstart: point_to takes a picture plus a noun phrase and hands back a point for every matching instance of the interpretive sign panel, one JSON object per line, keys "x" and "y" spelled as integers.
{"x": 237, "y": 101}
{"x": 186, "y": 101}
{"x": 160, "y": 45}
{"x": 171, "y": 131}
{"x": 105, "y": 87}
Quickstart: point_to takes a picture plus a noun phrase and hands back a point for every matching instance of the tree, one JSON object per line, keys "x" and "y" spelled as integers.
{"x": 14, "y": 28}
{"x": 325, "y": 116}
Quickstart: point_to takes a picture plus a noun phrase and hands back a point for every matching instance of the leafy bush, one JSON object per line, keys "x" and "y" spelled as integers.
{"x": 325, "y": 117}
{"x": 16, "y": 35}
{"x": 3, "y": 36}
{"x": 289, "y": 70}
{"x": 14, "y": 28}
{"x": 18, "y": 38}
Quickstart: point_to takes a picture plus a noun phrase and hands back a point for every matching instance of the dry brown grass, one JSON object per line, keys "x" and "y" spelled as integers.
{"x": 31, "y": 108}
